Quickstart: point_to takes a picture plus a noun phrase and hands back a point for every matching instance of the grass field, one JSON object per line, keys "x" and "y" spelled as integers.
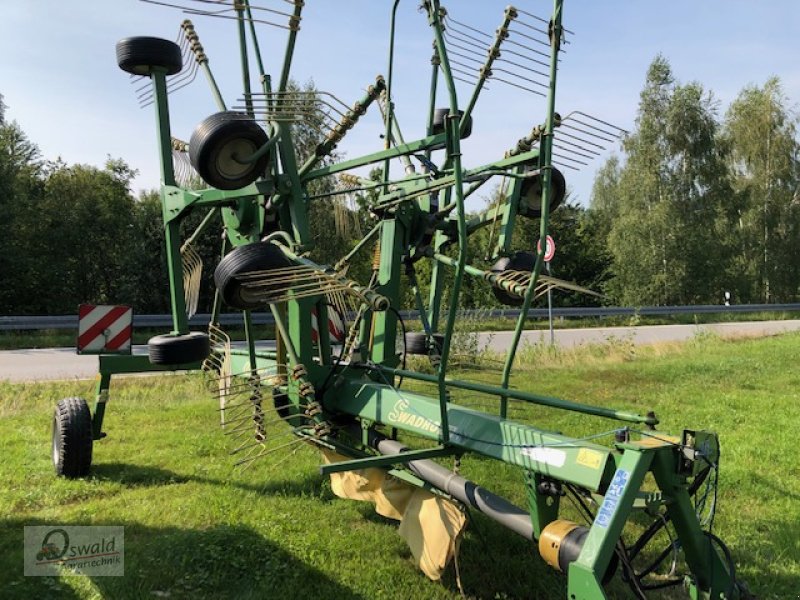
{"x": 196, "y": 528}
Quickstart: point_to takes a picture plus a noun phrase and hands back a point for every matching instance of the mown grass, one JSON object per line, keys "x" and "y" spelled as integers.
{"x": 196, "y": 528}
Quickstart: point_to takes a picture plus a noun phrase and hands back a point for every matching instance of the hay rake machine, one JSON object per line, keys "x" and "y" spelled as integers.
{"x": 338, "y": 387}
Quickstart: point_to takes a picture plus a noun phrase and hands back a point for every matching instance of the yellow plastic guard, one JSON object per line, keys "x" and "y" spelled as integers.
{"x": 430, "y": 525}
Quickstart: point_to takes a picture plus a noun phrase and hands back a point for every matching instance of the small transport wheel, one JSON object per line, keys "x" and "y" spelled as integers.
{"x": 437, "y": 344}
{"x": 417, "y": 343}
{"x": 521, "y": 261}
{"x": 220, "y": 146}
{"x": 139, "y": 55}
{"x": 439, "y": 117}
{"x": 258, "y": 256}
{"x": 171, "y": 349}
{"x": 530, "y": 200}
{"x": 72, "y": 438}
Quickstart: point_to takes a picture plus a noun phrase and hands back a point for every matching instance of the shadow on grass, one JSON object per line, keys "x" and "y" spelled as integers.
{"x": 131, "y": 475}
{"x": 225, "y": 561}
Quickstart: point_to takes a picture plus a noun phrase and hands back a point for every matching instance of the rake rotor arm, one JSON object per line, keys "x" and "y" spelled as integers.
{"x": 202, "y": 60}
{"x": 486, "y": 70}
{"x": 545, "y": 164}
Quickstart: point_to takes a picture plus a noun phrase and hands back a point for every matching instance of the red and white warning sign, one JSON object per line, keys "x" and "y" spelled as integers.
{"x": 549, "y": 250}
{"x": 335, "y": 327}
{"x": 104, "y": 329}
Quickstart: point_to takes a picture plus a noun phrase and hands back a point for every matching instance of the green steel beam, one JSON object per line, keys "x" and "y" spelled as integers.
{"x": 546, "y": 147}
{"x": 493, "y": 390}
{"x": 561, "y": 457}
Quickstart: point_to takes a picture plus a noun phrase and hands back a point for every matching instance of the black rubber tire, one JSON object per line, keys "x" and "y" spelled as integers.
{"x": 171, "y": 349}
{"x": 439, "y": 117}
{"x": 138, "y": 55}
{"x": 530, "y": 200}
{"x": 72, "y": 438}
{"x": 521, "y": 261}
{"x": 259, "y": 256}
{"x": 437, "y": 343}
{"x": 217, "y": 140}
{"x": 416, "y": 343}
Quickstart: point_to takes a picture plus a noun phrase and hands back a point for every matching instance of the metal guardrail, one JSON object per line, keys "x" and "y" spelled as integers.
{"x": 200, "y": 320}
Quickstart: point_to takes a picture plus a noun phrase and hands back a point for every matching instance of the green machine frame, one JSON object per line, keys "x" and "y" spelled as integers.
{"x": 422, "y": 216}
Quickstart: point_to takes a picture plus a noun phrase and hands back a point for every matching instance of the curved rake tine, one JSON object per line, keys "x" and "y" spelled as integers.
{"x": 465, "y": 26}
{"x": 516, "y": 64}
{"x": 570, "y": 159}
{"x": 534, "y": 50}
{"x": 530, "y": 37}
{"x": 516, "y": 85}
{"x": 525, "y": 57}
{"x": 562, "y": 134}
{"x": 479, "y": 46}
{"x": 593, "y": 134}
{"x": 528, "y": 79}
{"x": 590, "y": 154}
{"x": 538, "y": 18}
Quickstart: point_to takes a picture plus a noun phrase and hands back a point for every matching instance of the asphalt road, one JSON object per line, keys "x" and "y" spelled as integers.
{"x": 64, "y": 363}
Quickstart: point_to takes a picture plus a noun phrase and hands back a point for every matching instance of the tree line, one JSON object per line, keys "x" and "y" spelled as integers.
{"x": 700, "y": 204}
{"x": 697, "y": 203}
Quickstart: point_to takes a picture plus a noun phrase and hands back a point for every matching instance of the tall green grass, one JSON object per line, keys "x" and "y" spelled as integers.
{"x": 197, "y": 528}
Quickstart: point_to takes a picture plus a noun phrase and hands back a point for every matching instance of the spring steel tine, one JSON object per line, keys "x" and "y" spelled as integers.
{"x": 463, "y": 65}
{"x": 506, "y": 71}
{"x": 534, "y": 50}
{"x": 522, "y": 87}
{"x": 317, "y": 96}
{"x": 460, "y": 31}
{"x": 530, "y": 37}
{"x": 450, "y": 19}
{"x": 468, "y": 81}
{"x": 264, "y": 380}
{"x": 479, "y": 56}
{"x": 246, "y": 425}
{"x": 202, "y": 13}
{"x": 184, "y": 79}
{"x": 218, "y": 14}
{"x": 593, "y": 134}
{"x": 250, "y": 459}
{"x": 570, "y": 159}
{"x": 466, "y": 74}
{"x": 279, "y": 462}
{"x": 526, "y": 57}
{"x": 245, "y": 418}
{"x": 614, "y": 129}
{"x": 252, "y": 7}
{"x": 250, "y": 446}
{"x": 249, "y": 417}
{"x": 464, "y": 56}
{"x": 562, "y": 134}
{"x": 538, "y": 18}
{"x": 479, "y": 46}
{"x": 516, "y": 64}
{"x": 535, "y": 28}
{"x": 580, "y": 151}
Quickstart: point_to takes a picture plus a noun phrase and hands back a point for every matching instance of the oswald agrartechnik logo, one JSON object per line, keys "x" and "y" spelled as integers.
{"x": 85, "y": 550}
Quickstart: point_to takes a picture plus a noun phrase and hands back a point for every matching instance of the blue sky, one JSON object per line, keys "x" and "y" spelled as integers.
{"x": 59, "y": 77}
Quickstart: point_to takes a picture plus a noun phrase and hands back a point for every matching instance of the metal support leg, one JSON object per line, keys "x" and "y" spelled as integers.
{"x": 585, "y": 574}
{"x": 101, "y": 397}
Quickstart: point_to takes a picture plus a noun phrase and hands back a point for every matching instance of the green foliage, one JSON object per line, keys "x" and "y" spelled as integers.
{"x": 697, "y": 208}
{"x": 761, "y": 134}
